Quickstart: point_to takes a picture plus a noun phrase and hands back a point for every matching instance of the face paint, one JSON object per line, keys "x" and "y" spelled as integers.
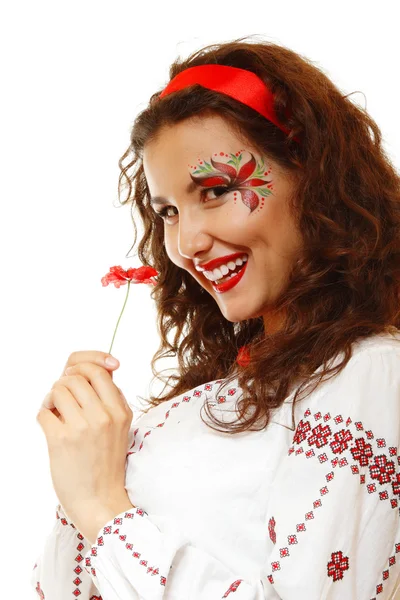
{"x": 249, "y": 178}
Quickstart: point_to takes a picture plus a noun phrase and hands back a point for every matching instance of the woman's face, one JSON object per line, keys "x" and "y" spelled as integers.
{"x": 220, "y": 197}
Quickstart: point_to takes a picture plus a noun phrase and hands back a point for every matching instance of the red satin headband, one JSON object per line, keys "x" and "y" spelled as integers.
{"x": 240, "y": 84}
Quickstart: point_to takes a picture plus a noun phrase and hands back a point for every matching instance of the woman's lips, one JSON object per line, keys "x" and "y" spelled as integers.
{"x": 231, "y": 282}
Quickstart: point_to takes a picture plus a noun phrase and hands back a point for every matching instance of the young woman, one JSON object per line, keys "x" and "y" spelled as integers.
{"x": 272, "y": 216}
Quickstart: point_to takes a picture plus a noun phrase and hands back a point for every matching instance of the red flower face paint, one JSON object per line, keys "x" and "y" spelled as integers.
{"x": 248, "y": 178}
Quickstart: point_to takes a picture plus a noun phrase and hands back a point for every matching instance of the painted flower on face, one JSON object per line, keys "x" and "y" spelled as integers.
{"x": 241, "y": 177}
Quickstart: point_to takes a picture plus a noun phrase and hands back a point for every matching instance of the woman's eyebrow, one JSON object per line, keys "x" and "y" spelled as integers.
{"x": 192, "y": 186}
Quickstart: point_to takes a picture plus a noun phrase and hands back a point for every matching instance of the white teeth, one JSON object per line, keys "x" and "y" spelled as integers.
{"x": 224, "y": 269}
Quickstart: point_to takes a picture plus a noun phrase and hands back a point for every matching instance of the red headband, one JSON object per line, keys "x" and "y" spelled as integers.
{"x": 240, "y": 84}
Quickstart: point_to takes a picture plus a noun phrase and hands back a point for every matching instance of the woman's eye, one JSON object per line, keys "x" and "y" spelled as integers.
{"x": 221, "y": 189}
{"x": 165, "y": 214}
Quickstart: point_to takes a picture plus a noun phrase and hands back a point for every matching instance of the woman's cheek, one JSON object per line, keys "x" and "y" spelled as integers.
{"x": 171, "y": 248}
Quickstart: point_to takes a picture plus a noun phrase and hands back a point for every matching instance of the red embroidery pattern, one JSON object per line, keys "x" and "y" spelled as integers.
{"x": 271, "y": 529}
{"x": 77, "y": 570}
{"x": 344, "y": 448}
{"x": 114, "y": 529}
{"x": 39, "y": 589}
{"x": 338, "y": 565}
{"x": 195, "y": 393}
{"x": 232, "y": 588}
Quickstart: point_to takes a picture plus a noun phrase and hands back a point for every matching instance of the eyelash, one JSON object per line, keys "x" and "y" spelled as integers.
{"x": 163, "y": 212}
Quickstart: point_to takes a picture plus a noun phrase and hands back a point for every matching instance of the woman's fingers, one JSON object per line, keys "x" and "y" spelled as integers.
{"x": 82, "y": 356}
{"x": 93, "y": 356}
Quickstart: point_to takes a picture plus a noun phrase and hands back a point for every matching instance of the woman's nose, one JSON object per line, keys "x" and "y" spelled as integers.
{"x": 193, "y": 239}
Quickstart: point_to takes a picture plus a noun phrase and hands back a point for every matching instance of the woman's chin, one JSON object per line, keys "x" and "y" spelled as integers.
{"x": 235, "y": 316}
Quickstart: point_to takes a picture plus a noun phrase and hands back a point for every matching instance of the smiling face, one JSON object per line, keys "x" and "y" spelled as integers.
{"x": 221, "y": 197}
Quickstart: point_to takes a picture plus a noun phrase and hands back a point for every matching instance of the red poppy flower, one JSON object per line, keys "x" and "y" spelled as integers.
{"x": 118, "y": 276}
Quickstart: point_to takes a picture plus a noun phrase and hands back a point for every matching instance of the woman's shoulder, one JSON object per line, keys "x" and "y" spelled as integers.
{"x": 387, "y": 341}
{"x": 374, "y": 359}
{"x": 366, "y": 391}
{"x": 369, "y": 382}
{"x": 364, "y": 353}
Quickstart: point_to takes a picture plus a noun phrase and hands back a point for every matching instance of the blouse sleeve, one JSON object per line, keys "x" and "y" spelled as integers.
{"x": 334, "y": 514}
{"x": 132, "y": 559}
{"x": 59, "y": 572}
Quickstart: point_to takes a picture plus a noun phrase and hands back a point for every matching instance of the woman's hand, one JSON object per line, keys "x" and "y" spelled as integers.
{"x": 88, "y": 443}
{"x": 94, "y": 356}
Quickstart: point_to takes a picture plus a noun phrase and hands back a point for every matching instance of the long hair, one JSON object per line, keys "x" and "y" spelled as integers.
{"x": 346, "y": 284}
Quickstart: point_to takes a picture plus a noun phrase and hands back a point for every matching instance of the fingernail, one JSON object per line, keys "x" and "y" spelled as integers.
{"x": 111, "y": 361}
{"x": 46, "y": 402}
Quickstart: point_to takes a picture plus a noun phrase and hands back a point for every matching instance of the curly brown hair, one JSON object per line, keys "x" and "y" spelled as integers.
{"x": 345, "y": 286}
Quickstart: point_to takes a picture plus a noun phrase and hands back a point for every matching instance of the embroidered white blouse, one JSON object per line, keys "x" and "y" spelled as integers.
{"x": 309, "y": 514}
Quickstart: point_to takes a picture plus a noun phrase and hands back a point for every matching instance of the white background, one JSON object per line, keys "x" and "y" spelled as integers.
{"x": 74, "y": 75}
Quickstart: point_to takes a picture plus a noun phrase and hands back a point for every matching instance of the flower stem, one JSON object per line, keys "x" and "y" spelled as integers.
{"x": 115, "y": 331}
